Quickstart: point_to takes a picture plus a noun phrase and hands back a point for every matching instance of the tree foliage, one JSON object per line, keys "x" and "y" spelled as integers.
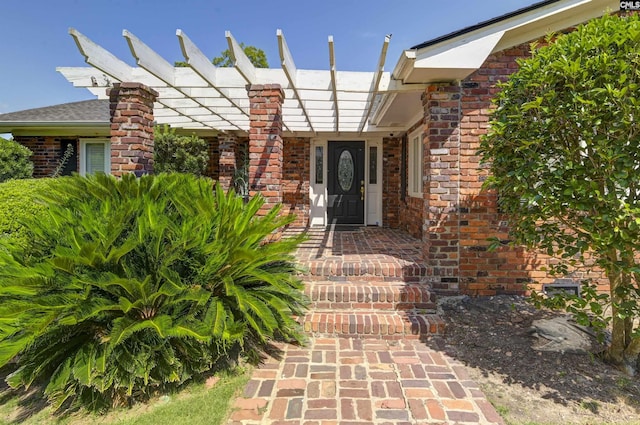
{"x": 564, "y": 154}
{"x": 14, "y": 161}
{"x": 256, "y": 56}
{"x": 134, "y": 286}
{"x": 19, "y": 205}
{"x": 177, "y": 153}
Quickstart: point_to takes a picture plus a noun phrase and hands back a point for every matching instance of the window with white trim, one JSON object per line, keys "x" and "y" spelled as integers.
{"x": 95, "y": 156}
{"x": 415, "y": 160}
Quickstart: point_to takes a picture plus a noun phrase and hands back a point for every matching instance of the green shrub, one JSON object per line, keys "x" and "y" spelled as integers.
{"x": 17, "y": 204}
{"x": 140, "y": 285}
{"x": 181, "y": 154}
{"x": 14, "y": 161}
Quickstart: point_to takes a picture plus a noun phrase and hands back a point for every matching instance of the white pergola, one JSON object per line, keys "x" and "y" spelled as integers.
{"x": 205, "y": 97}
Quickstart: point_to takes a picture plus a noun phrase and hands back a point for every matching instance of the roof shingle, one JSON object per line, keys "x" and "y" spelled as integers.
{"x": 94, "y": 110}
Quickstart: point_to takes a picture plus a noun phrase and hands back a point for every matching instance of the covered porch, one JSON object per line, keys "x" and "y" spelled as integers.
{"x": 349, "y": 253}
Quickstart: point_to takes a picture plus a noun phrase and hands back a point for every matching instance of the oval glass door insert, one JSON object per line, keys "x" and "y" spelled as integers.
{"x": 345, "y": 170}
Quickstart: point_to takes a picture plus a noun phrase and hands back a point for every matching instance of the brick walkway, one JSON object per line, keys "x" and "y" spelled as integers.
{"x": 366, "y": 363}
{"x": 362, "y": 381}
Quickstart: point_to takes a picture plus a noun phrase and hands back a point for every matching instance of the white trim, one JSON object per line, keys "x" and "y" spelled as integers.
{"x": 374, "y": 194}
{"x": 83, "y": 150}
{"x": 318, "y": 191}
{"x": 414, "y": 161}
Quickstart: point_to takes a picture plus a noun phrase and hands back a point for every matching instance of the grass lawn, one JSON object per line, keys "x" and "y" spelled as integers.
{"x": 195, "y": 405}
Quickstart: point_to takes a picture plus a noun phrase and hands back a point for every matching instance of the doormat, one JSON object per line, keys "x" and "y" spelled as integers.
{"x": 344, "y": 228}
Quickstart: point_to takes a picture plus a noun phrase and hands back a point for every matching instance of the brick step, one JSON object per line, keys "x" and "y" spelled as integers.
{"x": 378, "y": 296}
{"x": 363, "y": 270}
{"x": 373, "y": 324}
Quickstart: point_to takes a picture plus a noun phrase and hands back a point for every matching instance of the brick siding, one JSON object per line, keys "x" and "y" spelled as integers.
{"x": 214, "y": 157}
{"x": 131, "y": 109}
{"x": 295, "y": 179}
{"x": 46, "y": 153}
{"x": 391, "y": 183}
{"x": 265, "y": 143}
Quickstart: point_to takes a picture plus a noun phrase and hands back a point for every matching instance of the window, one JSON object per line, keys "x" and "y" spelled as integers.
{"x": 373, "y": 165}
{"x": 95, "y": 156}
{"x": 415, "y": 154}
{"x": 319, "y": 165}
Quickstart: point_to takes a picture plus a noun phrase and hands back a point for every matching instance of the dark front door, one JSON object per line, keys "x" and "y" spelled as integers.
{"x": 346, "y": 183}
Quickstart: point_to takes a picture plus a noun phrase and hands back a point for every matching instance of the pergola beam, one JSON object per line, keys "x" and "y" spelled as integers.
{"x": 334, "y": 82}
{"x": 240, "y": 60}
{"x": 216, "y": 98}
{"x": 148, "y": 59}
{"x": 102, "y": 59}
{"x": 289, "y": 68}
{"x": 375, "y": 86}
{"x": 203, "y": 67}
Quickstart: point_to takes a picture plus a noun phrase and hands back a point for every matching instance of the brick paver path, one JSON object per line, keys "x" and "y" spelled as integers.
{"x": 362, "y": 381}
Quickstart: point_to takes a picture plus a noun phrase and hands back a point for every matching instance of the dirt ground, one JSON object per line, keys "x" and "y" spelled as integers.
{"x": 527, "y": 386}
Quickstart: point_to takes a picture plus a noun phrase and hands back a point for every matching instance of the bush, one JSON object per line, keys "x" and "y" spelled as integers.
{"x": 181, "y": 154}
{"x": 140, "y": 285}
{"x": 14, "y": 161}
{"x": 17, "y": 204}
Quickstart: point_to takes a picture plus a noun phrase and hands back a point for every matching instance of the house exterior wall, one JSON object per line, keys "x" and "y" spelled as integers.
{"x": 213, "y": 168}
{"x": 412, "y": 208}
{"x": 295, "y": 179}
{"x": 391, "y": 181}
{"x": 506, "y": 270}
{"x": 475, "y": 218}
{"x": 48, "y": 152}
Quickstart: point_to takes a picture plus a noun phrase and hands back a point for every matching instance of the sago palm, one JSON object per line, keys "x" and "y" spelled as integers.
{"x": 134, "y": 285}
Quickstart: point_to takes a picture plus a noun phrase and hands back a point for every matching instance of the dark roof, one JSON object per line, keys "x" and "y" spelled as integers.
{"x": 95, "y": 110}
{"x": 484, "y": 24}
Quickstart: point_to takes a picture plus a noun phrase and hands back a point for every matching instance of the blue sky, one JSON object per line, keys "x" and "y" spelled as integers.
{"x": 34, "y": 37}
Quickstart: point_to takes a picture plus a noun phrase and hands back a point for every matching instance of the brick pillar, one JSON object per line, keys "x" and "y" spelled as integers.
{"x": 265, "y": 143}
{"x": 441, "y": 189}
{"x": 131, "y": 109}
{"x": 227, "y": 160}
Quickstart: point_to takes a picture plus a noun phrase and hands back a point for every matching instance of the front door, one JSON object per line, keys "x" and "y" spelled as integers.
{"x": 345, "y": 173}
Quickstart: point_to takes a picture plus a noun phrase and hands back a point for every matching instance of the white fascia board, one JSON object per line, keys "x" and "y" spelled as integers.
{"x": 466, "y": 50}
{"x": 471, "y": 54}
{"x": 404, "y": 65}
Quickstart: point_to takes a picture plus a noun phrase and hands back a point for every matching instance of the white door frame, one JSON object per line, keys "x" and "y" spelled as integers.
{"x": 318, "y": 186}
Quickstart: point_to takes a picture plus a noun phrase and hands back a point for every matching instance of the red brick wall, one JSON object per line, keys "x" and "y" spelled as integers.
{"x": 412, "y": 208}
{"x": 265, "y": 143}
{"x": 131, "y": 109}
{"x": 46, "y": 153}
{"x": 391, "y": 185}
{"x": 214, "y": 157}
{"x": 441, "y": 164}
{"x": 295, "y": 179}
{"x": 506, "y": 270}
{"x": 482, "y": 272}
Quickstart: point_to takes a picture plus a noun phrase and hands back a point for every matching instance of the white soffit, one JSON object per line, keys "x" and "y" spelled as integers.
{"x": 203, "y": 96}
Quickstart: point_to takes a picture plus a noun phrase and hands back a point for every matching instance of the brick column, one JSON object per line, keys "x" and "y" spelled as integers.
{"x": 441, "y": 189}
{"x": 265, "y": 143}
{"x": 227, "y": 160}
{"x": 131, "y": 109}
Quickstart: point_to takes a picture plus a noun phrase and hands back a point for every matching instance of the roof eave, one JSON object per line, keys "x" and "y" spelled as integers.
{"x": 43, "y": 128}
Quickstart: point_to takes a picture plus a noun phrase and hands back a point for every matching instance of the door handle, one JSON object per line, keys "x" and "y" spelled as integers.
{"x": 362, "y": 190}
